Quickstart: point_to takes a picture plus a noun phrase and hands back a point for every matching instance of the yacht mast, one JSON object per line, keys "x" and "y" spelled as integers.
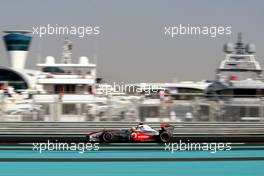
{"x": 67, "y": 51}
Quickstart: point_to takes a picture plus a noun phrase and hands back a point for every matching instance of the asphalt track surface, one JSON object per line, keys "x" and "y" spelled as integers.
{"x": 26, "y": 132}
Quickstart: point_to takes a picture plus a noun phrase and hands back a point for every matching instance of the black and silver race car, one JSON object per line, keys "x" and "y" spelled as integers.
{"x": 141, "y": 133}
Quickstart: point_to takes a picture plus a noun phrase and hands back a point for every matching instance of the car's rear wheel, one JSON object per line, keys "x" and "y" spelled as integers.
{"x": 107, "y": 136}
{"x": 165, "y": 136}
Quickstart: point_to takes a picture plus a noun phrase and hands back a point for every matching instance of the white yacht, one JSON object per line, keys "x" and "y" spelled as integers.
{"x": 169, "y": 101}
{"x": 67, "y": 87}
{"x": 237, "y": 94}
{"x": 70, "y": 92}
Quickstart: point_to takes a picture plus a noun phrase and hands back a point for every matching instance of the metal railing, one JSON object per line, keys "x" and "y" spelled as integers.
{"x": 199, "y": 109}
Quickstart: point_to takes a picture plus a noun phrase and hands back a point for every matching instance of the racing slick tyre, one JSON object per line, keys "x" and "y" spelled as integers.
{"x": 107, "y": 136}
{"x": 164, "y": 137}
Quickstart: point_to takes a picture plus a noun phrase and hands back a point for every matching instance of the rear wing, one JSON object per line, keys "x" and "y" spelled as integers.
{"x": 166, "y": 126}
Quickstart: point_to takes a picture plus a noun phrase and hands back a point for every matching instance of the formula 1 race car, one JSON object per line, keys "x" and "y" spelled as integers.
{"x": 141, "y": 133}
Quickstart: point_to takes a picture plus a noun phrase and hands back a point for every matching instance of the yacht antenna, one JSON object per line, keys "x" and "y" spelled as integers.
{"x": 240, "y": 47}
{"x": 67, "y": 51}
